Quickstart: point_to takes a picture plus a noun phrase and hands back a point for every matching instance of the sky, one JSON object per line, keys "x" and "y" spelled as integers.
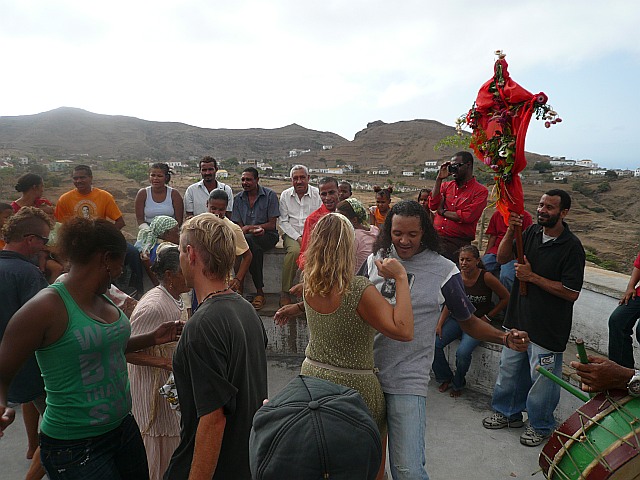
{"x": 328, "y": 65}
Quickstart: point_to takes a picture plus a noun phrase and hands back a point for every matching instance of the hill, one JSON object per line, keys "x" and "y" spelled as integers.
{"x": 66, "y": 131}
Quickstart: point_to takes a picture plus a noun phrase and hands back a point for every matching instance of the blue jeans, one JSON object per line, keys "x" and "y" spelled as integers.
{"x": 519, "y": 387}
{"x": 508, "y": 274}
{"x": 491, "y": 263}
{"x": 406, "y": 423}
{"x": 115, "y": 455}
{"x": 450, "y": 331}
{"x": 621, "y": 323}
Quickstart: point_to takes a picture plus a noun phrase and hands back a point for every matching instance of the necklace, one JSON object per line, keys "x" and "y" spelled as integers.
{"x": 212, "y": 294}
{"x": 179, "y": 302}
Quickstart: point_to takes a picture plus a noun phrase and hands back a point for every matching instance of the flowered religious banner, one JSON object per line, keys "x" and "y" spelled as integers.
{"x": 499, "y": 120}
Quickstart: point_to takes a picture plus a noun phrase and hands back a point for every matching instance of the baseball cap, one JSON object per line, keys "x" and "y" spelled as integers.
{"x": 314, "y": 429}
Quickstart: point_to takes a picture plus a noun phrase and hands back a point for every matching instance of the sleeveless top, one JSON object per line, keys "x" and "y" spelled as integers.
{"x": 480, "y": 295}
{"x": 85, "y": 375}
{"x": 153, "y": 209}
{"x": 343, "y": 339}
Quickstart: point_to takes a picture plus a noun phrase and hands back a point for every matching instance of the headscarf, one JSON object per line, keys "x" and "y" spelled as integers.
{"x": 148, "y": 237}
{"x": 361, "y": 212}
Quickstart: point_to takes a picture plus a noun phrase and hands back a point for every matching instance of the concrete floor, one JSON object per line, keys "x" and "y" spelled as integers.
{"x": 458, "y": 447}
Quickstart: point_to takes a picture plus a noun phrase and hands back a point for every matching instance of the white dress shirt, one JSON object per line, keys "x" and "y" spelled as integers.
{"x": 295, "y": 210}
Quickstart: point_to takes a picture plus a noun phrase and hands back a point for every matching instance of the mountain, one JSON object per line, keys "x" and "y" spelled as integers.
{"x": 72, "y": 131}
{"x": 60, "y": 133}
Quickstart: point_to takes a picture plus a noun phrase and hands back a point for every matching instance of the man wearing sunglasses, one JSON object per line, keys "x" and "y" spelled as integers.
{"x": 25, "y": 233}
{"x": 458, "y": 203}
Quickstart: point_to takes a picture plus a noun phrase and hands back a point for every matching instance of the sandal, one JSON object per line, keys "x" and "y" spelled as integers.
{"x": 258, "y": 302}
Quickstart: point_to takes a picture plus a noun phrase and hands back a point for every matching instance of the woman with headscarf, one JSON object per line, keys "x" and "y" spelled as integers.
{"x": 149, "y": 368}
{"x": 162, "y": 229}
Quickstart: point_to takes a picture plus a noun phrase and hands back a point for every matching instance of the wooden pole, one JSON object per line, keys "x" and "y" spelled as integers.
{"x": 520, "y": 254}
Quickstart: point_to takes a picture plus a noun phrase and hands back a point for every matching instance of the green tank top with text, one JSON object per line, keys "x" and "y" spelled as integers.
{"x": 85, "y": 375}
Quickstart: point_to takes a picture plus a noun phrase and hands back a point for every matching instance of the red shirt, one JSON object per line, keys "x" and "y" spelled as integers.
{"x": 637, "y": 265}
{"x": 309, "y": 224}
{"x": 497, "y": 228}
{"x": 468, "y": 201}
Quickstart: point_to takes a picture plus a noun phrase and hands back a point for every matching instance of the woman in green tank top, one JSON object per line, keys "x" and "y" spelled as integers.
{"x": 80, "y": 338}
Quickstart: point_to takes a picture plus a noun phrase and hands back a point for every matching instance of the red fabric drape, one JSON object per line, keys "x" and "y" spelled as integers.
{"x": 503, "y": 106}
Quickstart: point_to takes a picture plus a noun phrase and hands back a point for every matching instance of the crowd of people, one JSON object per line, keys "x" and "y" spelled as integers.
{"x": 169, "y": 389}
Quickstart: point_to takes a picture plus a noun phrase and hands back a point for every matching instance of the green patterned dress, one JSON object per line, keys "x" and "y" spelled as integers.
{"x": 342, "y": 339}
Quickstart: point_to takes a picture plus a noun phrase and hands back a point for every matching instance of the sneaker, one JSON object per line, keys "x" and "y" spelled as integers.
{"x": 531, "y": 438}
{"x": 498, "y": 420}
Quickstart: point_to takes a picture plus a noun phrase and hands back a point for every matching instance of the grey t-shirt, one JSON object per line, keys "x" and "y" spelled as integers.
{"x": 433, "y": 281}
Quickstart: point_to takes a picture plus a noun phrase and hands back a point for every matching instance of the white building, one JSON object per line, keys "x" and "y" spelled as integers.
{"x": 222, "y": 174}
{"x": 431, "y": 163}
{"x": 563, "y": 173}
{"x": 597, "y": 172}
{"x": 407, "y": 174}
{"x": 296, "y": 152}
{"x": 378, "y": 172}
{"x": 327, "y": 147}
{"x": 586, "y": 164}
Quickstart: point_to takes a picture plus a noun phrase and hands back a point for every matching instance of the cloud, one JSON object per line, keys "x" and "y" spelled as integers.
{"x": 330, "y": 65}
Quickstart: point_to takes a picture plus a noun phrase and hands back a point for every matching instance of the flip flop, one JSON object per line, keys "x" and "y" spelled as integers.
{"x": 258, "y": 302}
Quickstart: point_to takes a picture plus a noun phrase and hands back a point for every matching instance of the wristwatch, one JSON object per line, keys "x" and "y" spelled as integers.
{"x": 634, "y": 385}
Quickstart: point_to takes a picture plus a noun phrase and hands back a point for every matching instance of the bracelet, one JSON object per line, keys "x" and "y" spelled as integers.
{"x": 505, "y": 339}
{"x": 488, "y": 318}
{"x": 300, "y": 305}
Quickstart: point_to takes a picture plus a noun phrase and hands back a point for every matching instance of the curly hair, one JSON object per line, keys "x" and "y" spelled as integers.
{"x": 165, "y": 169}
{"x": 24, "y": 222}
{"x": 81, "y": 238}
{"x": 407, "y": 208}
{"x": 214, "y": 241}
{"x": 329, "y": 260}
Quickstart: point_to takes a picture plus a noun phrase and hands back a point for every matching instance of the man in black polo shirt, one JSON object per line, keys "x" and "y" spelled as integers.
{"x": 553, "y": 269}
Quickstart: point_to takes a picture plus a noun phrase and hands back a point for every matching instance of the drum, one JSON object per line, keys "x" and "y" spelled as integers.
{"x": 599, "y": 441}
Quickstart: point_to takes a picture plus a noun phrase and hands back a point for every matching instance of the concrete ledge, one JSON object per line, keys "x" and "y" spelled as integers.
{"x": 599, "y": 297}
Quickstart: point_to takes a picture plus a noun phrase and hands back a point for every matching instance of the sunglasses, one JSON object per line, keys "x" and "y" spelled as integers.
{"x": 44, "y": 239}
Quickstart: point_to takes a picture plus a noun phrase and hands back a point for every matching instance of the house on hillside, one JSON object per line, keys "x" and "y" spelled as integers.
{"x": 327, "y": 147}
{"x": 59, "y": 165}
{"x": 383, "y": 171}
{"x": 327, "y": 171}
{"x": 597, "y": 172}
{"x": 586, "y": 164}
{"x": 265, "y": 167}
{"x": 296, "y": 152}
{"x": 5, "y": 164}
{"x": 222, "y": 174}
{"x": 408, "y": 173}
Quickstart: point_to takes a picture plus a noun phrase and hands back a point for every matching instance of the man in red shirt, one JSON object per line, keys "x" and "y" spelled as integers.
{"x": 458, "y": 203}
{"x": 496, "y": 231}
{"x": 328, "y": 187}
